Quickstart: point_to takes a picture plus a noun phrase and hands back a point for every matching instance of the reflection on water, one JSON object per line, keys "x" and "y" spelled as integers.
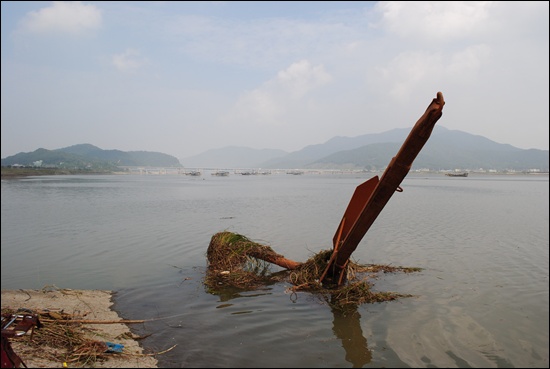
{"x": 347, "y": 327}
{"x": 346, "y": 321}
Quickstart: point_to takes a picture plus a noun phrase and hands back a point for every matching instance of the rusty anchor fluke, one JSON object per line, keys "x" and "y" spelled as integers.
{"x": 371, "y": 196}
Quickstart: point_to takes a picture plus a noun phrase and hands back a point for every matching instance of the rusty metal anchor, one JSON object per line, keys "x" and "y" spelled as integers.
{"x": 370, "y": 197}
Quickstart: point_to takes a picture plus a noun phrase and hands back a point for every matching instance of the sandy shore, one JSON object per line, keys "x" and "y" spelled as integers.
{"x": 90, "y": 304}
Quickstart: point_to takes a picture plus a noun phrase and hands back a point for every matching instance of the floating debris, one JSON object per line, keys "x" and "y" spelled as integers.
{"x": 236, "y": 262}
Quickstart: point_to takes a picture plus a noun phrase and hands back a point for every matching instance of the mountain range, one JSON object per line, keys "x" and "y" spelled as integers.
{"x": 445, "y": 150}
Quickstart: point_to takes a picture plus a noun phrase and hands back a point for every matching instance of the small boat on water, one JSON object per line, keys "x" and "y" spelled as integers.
{"x": 221, "y": 173}
{"x": 465, "y": 174}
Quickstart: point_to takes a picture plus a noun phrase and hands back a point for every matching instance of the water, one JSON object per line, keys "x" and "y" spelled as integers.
{"x": 482, "y": 299}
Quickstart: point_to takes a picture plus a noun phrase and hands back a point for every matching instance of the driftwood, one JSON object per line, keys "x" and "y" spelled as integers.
{"x": 277, "y": 260}
{"x": 93, "y": 321}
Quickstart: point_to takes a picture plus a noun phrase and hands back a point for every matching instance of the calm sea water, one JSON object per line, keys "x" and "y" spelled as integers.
{"x": 482, "y": 299}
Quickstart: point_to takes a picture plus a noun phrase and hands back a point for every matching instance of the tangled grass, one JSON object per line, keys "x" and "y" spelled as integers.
{"x": 235, "y": 261}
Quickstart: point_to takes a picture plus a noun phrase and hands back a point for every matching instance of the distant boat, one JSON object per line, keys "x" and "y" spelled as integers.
{"x": 221, "y": 173}
{"x": 465, "y": 174}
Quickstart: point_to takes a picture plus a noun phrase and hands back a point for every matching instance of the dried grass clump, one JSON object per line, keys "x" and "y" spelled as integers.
{"x": 357, "y": 289}
{"x": 237, "y": 262}
{"x": 307, "y": 276}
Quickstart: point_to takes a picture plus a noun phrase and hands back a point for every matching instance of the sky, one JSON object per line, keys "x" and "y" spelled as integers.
{"x": 185, "y": 77}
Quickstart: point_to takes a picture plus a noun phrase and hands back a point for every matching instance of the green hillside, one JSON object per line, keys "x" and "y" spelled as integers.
{"x": 89, "y": 157}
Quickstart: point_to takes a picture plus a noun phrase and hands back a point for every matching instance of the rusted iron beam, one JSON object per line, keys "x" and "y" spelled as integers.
{"x": 370, "y": 197}
{"x": 277, "y": 260}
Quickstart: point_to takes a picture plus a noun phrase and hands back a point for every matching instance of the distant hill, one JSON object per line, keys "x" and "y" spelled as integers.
{"x": 312, "y": 153}
{"x": 92, "y": 157}
{"x": 124, "y": 158}
{"x": 232, "y": 157}
{"x": 445, "y": 150}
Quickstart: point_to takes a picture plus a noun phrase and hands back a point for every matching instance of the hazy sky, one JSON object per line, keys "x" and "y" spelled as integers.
{"x": 185, "y": 77}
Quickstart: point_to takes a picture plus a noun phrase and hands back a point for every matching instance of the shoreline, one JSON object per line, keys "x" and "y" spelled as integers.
{"x": 15, "y": 173}
{"x": 91, "y": 305}
{"x": 18, "y": 173}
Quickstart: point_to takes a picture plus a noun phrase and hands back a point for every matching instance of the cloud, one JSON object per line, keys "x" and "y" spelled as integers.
{"x": 408, "y": 71}
{"x": 468, "y": 62}
{"x": 302, "y": 77}
{"x": 413, "y": 71}
{"x": 439, "y": 20}
{"x": 129, "y": 61}
{"x": 63, "y": 17}
{"x": 244, "y": 42}
{"x": 269, "y": 102}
